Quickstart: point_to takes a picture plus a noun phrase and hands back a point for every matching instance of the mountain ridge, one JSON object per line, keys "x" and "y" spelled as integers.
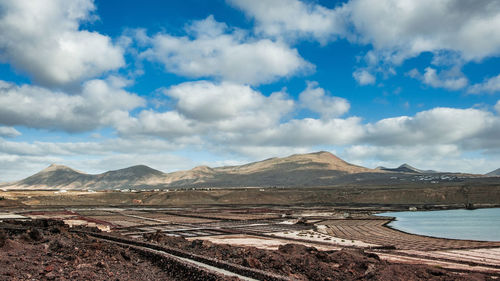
{"x": 299, "y": 170}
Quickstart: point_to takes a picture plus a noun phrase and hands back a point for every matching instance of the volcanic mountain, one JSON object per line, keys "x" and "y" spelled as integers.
{"x": 62, "y": 177}
{"x": 495, "y": 173}
{"x": 405, "y": 168}
{"x": 313, "y": 169}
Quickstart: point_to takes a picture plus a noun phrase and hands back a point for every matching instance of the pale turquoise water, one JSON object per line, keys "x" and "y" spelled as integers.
{"x": 480, "y": 224}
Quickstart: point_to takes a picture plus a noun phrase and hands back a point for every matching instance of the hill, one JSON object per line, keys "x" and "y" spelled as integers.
{"x": 494, "y": 173}
{"x": 405, "y": 168}
{"x": 55, "y": 176}
{"x": 62, "y": 177}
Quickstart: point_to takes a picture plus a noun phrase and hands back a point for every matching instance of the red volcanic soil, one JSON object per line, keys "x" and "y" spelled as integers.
{"x": 51, "y": 252}
{"x": 307, "y": 263}
{"x": 47, "y": 250}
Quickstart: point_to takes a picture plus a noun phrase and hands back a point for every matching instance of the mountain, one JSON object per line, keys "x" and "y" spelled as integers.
{"x": 494, "y": 173}
{"x": 59, "y": 177}
{"x": 405, "y": 168}
{"x": 320, "y": 168}
{"x": 313, "y": 169}
{"x": 55, "y": 176}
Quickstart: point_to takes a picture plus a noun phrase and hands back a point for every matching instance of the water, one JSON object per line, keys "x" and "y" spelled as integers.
{"x": 480, "y": 224}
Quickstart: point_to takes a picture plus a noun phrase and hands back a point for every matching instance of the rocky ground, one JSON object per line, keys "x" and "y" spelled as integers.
{"x": 47, "y": 251}
{"x": 307, "y": 263}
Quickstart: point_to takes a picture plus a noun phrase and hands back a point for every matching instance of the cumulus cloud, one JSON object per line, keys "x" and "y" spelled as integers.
{"x": 450, "y": 80}
{"x": 399, "y": 154}
{"x": 454, "y": 31}
{"x": 44, "y": 39}
{"x": 310, "y": 132}
{"x": 202, "y": 107}
{"x": 490, "y": 86}
{"x": 207, "y": 101}
{"x": 293, "y": 19}
{"x": 363, "y": 77}
{"x": 215, "y": 51}
{"x": 316, "y": 99}
{"x": 403, "y": 29}
{"x": 9, "y": 132}
{"x": 435, "y": 126}
{"x": 396, "y": 29}
{"x": 36, "y": 107}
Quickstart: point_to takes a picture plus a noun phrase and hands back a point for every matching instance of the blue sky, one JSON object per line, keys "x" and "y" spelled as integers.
{"x": 101, "y": 85}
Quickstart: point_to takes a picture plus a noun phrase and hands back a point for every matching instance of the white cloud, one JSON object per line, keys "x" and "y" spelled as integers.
{"x": 497, "y": 107}
{"x": 293, "y": 19}
{"x": 364, "y": 77}
{"x": 491, "y": 85}
{"x": 309, "y": 132}
{"x": 452, "y": 83}
{"x": 216, "y": 52}
{"x": 97, "y": 105}
{"x": 206, "y": 101}
{"x": 315, "y": 99}
{"x": 403, "y": 29}
{"x": 397, "y": 29}
{"x": 450, "y": 80}
{"x": 399, "y": 154}
{"x": 169, "y": 125}
{"x": 44, "y": 39}
{"x": 205, "y": 107}
{"x": 9, "y": 132}
{"x": 435, "y": 126}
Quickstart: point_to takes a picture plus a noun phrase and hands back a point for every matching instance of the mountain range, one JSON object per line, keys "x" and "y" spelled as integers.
{"x": 313, "y": 169}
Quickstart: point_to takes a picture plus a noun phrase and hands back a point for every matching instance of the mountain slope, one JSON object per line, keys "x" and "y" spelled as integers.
{"x": 314, "y": 169}
{"x": 55, "y": 176}
{"x": 59, "y": 176}
{"x": 405, "y": 168}
{"x": 494, "y": 173}
{"x": 320, "y": 160}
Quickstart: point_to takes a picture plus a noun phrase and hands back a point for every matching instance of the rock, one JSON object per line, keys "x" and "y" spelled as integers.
{"x": 35, "y": 234}
{"x": 49, "y": 268}
{"x": 3, "y": 238}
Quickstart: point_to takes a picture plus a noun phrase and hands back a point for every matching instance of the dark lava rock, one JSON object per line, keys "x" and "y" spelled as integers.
{"x": 3, "y": 238}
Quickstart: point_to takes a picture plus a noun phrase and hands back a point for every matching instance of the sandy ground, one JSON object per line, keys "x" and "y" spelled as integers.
{"x": 318, "y": 236}
{"x": 101, "y": 227}
{"x": 255, "y": 241}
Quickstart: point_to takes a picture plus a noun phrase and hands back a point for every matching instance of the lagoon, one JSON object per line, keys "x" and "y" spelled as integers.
{"x": 479, "y": 224}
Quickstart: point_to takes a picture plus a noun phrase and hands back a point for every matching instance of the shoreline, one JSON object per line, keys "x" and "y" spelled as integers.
{"x": 392, "y": 219}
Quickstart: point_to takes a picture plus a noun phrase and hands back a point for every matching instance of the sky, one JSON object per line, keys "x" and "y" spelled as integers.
{"x": 106, "y": 84}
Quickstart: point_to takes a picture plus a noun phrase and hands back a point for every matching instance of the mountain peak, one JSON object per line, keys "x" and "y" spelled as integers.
{"x": 407, "y": 166}
{"x": 135, "y": 171}
{"x": 57, "y": 167}
{"x": 202, "y": 168}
